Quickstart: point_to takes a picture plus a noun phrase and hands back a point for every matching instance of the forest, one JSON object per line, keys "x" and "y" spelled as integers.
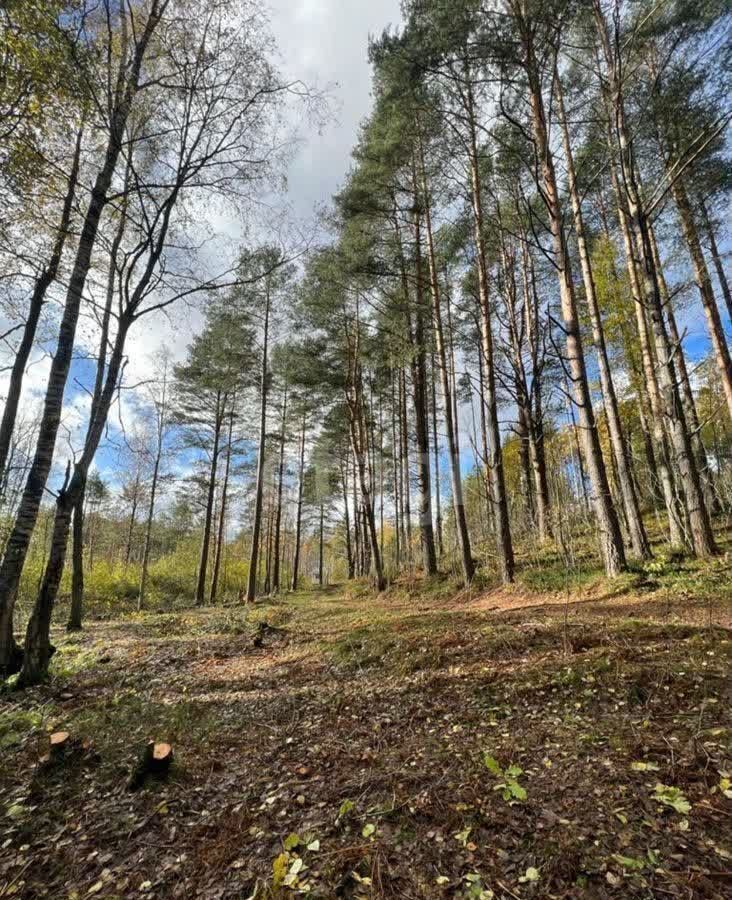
{"x": 381, "y": 550}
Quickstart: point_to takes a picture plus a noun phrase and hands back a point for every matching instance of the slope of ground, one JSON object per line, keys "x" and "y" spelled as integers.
{"x": 423, "y": 744}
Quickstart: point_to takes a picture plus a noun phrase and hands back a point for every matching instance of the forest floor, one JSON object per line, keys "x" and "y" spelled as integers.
{"x": 423, "y": 744}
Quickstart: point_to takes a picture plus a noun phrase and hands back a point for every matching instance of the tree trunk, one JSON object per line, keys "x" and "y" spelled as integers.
{"x": 357, "y": 431}
{"x": 686, "y": 393}
{"x": 689, "y": 479}
{"x": 716, "y": 258}
{"x": 211, "y": 493}
{"x": 662, "y": 452}
{"x": 38, "y": 297}
{"x": 77, "y": 570}
{"x": 221, "y": 532}
{"x": 483, "y": 436}
{"x": 16, "y": 548}
{"x": 278, "y": 511}
{"x": 623, "y": 467}
{"x": 350, "y": 550}
{"x": 522, "y": 433}
{"x": 534, "y": 397}
{"x": 257, "y": 524}
{"x": 321, "y": 543}
{"x": 406, "y": 477}
{"x": 268, "y": 545}
{"x": 298, "y": 516}
{"x": 359, "y": 444}
{"x": 496, "y": 476}
{"x": 706, "y": 291}
{"x": 461, "y": 522}
{"x": 436, "y": 444}
{"x": 396, "y": 477}
{"x": 611, "y": 543}
{"x": 419, "y": 384}
{"x": 133, "y": 519}
{"x": 37, "y": 649}
{"x": 161, "y": 423}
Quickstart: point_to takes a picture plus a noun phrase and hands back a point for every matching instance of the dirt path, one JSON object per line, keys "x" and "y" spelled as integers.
{"x": 411, "y": 746}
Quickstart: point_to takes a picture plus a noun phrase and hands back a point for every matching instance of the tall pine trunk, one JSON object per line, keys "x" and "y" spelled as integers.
{"x": 278, "y": 508}
{"x": 686, "y": 393}
{"x": 611, "y": 542}
{"x": 298, "y": 514}
{"x": 419, "y": 384}
{"x": 660, "y": 451}
{"x": 620, "y": 455}
{"x": 436, "y": 446}
{"x": 461, "y": 522}
{"x": 162, "y": 414}
{"x": 221, "y": 531}
{"x": 716, "y": 258}
{"x": 706, "y": 291}
{"x": 534, "y": 395}
{"x": 495, "y": 472}
{"x": 259, "y": 495}
{"x": 321, "y": 543}
{"x": 702, "y": 537}
{"x": 209, "y": 514}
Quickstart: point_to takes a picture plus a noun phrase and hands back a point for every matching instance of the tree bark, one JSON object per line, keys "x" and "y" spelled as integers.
{"x": 661, "y": 450}
{"x": 419, "y": 384}
{"x": 494, "y": 463}
{"x": 77, "y": 570}
{"x": 716, "y": 258}
{"x": 257, "y": 523}
{"x": 350, "y": 550}
{"x": 436, "y": 445}
{"x": 37, "y": 648}
{"x": 461, "y": 522}
{"x": 38, "y": 297}
{"x": 404, "y": 454}
{"x": 133, "y": 518}
{"x": 623, "y": 467}
{"x": 321, "y": 545}
{"x": 611, "y": 543}
{"x": 686, "y": 393}
{"x": 210, "y": 494}
{"x": 278, "y": 510}
{"x": 16, "y": 548}
{"x": 298, "y": 515}
{"x": 359, "y": 444}
{"x": 700, "y": 525}
{"x": 162, "y": 413}
{"x": 706, "y": 291}
{"x": 221, "y": 532}
{"x": 534, "y": 397}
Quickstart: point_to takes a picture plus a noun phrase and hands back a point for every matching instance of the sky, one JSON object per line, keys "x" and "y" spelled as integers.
{"x": 322, "y": 43}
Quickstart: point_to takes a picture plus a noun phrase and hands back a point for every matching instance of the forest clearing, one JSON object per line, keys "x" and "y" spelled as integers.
{"x": 365, "y": 449}
{"x": 425, "y": 743}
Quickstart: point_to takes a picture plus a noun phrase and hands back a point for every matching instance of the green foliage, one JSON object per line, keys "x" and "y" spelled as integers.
{"x": 672, "y": 797}
{"x": 508, "y": 781}
{"x": 345, "y": 809}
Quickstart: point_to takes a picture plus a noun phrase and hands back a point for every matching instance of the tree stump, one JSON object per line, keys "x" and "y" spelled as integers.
{"x": 154, "y": 762}
{"x": 60, "y": 742}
